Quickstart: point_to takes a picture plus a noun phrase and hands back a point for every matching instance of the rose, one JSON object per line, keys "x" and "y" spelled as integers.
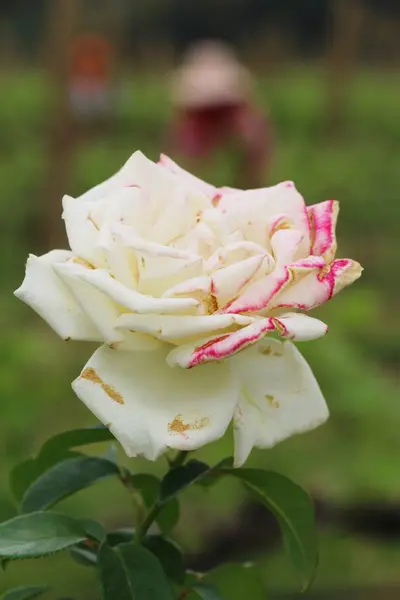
{"x": 170, "y": 273}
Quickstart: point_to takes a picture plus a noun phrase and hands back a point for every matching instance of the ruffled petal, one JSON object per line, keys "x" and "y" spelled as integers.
{"x": 45, "y": 292}
{"x": 253, "y": 211}
{"x": 280, "y": 397}
{"x": 173, "y": 328}
{"x": 82, "y": 230}
{"x": 299, "y": 327}
{"x": 124, "y": 297}
{"x": 102, "y": 311}
{"x": 318, "y": 286}
{"x": 221, "y": 346}
{"x": 228, "y": 282}
{"x": 187, "y": 178}
{"x": 323, "y": 217}
{"x": 292, "y": 326}
{"x": 285, "y": 244}
{"x": 262, "y": 295}
{"x": 149, "y": 407}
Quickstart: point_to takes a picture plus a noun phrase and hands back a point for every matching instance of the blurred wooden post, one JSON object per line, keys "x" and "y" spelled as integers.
{"x": 62, "y": 17}
{"x": 346, "y": 27}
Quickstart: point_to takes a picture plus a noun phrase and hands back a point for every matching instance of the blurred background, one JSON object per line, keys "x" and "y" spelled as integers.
{"x": 85, "y": 83}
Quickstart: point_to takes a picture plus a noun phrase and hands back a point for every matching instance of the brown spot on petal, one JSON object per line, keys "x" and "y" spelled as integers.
{"x": 82, "y": 262}
{"x": 179, "y": 426}
{"x": 216, "y": 199}
{"x": 210, "y": 304}
{"x": 67, "y": 339}
{"x": 90, "y": 218}
{"x": 265, "y": 350}
{"x": 272, "y": 401}
{"x": 91, "y": 375}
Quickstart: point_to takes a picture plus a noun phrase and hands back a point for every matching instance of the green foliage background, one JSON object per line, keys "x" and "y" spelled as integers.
{"x": 354, "y": 456}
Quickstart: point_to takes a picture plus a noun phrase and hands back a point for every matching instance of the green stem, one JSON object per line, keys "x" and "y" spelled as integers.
{"x": 149, "y": 518}
{"x": 154, "y": 510}
{"x": 178, "y": 460}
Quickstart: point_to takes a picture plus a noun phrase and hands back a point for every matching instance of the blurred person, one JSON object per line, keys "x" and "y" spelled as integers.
{"x": 214, "y": 107}
{"x": 90, "y": 77}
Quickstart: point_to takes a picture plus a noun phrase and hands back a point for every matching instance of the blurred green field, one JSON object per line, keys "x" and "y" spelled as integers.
{"x": 354, "y": 456}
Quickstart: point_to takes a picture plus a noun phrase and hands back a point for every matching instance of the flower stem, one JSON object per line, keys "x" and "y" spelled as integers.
{"x": 154, "y": 510}
{"x": 178, "y": 460}
{"x": 149, "y": 518}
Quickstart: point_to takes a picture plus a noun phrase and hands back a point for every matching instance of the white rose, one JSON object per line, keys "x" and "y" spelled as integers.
{"x": 169, "y": 273}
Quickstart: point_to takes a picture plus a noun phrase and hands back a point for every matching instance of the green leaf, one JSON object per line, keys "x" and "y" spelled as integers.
{"x": 64, "y": 479}
{"x": 294, "y": 511}
{"x": 120, "y": 536}
{"x": 25, "y": 593}
{"x": 214, "y": 474}
{"x": 131, "y": 572}
{"x": 25, "y": 473}
{"x": 87, "y": 557}
{"x": 76, "y": 437}
{"x": 169, "y": 555}
{"x": 168, "y": 516}
{"x": 39, "y": 534}
{"x": 149, "y": 488}
{"x": 94, "y": 529}
{"x": 177, "y": 479}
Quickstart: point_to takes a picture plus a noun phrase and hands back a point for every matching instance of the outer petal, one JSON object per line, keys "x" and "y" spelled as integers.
{"x": 82, "y": 230}
{"x": 262, "y": 295}
{"x": 122, "y": 296}
{"x": 285, "y": 245}
{"x": 43, "y": 290}
{"x": 221, "y": 346}
{"x": 98, "y": 307}
{"x": 299, "y": 327}
{"x": 148, "y": 406}
{"x": 253, "y": 211}
{"x": 319, "y": 286}
{"x": 171, "y": 328}
{"x": 280, "y": 397}
{"x": 228, "y": 282}
{"x": 293, "y": 326}
{"x": 126, "y": 176}
{"x": 187, "y": 178}
{"x": 323, "y": 219}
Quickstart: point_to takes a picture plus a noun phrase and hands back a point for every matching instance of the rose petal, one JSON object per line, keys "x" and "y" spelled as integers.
{"x": 299, "y": 327}
{"x": 318, "y": 286}
{"x": 186, "y": 177}
{"x": 158, "y": 274}
{"x": 280, "y": 397}
{"x": 228, "y": 282}
{"x": 253, "y": 210}
{"x": 232, "y": 253}
{"x": 292, "y": 326}
{"x": 261, "y": 295}
{"x": 323, "y": 219}
{"x": 82, "y": 230}
{"x": 196, "y": 287}
{"x": 171, "y": 328}
{"x": 221, "y": 346}
{"x": 44, "y": 291}
{"x": 99, "y": 308}
{"x": 148, "y": 406}
{"x": 285, "y": 244}
{"x": 122, "y": 296}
